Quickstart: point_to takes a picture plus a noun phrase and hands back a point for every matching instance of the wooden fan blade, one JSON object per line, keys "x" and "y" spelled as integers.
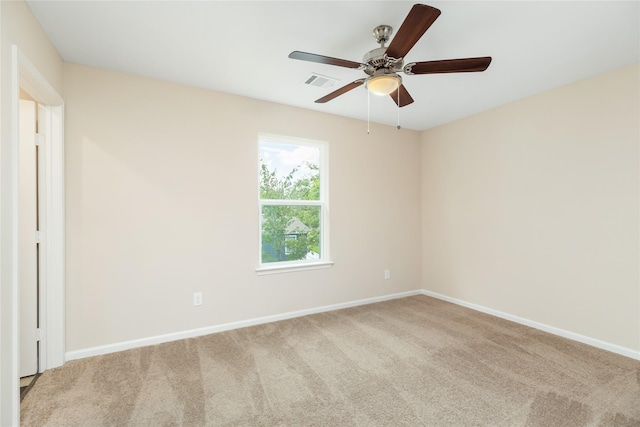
{"x": 405, "y": 98}
{"x": 466, "y": 65}
{"x": 312, "y": 57}
{"x": 342, "y": 90}
{"x": 418, "y": 21}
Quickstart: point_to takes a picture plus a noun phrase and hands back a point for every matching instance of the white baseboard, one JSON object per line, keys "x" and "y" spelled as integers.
{"x": 159, "y": 339}
{"x": 634, "y": 354}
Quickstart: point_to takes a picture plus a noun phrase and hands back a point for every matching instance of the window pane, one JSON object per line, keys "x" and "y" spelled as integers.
{"x": 290, "y": 233}
{"x": 289, "y": 172}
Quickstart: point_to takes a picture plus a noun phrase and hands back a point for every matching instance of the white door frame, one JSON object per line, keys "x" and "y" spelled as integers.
{"x": 52, "y": 251}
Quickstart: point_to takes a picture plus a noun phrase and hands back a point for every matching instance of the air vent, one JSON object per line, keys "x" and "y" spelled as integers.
{"x": 318, "y": 80}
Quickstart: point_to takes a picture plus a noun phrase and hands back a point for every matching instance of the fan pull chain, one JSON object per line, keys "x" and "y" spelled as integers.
{"x": 398, "y": 125}
{"x": 368, "y": 108}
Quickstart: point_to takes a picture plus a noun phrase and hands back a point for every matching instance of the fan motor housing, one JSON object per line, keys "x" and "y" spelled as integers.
{"x": 376, "y": 59}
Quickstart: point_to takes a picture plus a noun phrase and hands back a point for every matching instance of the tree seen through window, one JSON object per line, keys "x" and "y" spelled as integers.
{"x": 291, "y": 202}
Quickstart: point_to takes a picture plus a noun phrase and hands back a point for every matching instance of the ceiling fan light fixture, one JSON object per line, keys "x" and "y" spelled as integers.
{"x": 383, "y": 84}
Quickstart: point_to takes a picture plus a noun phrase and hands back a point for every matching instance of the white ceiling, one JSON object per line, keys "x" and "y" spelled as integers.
{"x": 241, "y": 48}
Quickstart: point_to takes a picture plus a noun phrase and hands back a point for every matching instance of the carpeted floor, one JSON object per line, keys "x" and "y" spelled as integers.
{"x": 412, "y": 361}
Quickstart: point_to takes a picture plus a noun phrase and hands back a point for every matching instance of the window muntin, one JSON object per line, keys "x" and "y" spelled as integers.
{"x": 292, "y": 197}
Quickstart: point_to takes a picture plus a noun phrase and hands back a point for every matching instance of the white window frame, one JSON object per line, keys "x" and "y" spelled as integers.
{"x": 299, "y": 265}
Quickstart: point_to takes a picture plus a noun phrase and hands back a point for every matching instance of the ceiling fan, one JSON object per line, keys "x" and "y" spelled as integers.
{"x": 383, "y": 64}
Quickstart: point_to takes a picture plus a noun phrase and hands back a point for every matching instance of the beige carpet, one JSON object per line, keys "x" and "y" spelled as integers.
{"x": 412, "y": 361}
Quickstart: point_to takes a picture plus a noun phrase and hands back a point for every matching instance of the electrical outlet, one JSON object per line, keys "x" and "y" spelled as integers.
{"x": 197, "y": 298}
{"x": 387, "y": 274}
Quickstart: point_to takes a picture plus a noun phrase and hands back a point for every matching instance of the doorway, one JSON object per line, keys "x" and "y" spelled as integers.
{"x": 28, "y": 242}
{"x": 51, "y": 260}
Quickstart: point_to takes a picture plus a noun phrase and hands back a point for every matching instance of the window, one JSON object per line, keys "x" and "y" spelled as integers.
{"x": 293, "y": 204}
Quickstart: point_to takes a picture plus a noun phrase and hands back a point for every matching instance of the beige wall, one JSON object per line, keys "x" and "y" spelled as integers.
{"x": 17, "y": 27}
{"x": 532, "y": 208}
{"x": 162, "y": 202}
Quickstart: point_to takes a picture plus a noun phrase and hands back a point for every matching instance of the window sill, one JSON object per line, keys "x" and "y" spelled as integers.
{"x": 289, "y": 268}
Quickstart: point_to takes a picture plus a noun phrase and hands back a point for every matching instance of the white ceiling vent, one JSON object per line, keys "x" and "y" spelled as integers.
{"x": 318, "y": 80}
